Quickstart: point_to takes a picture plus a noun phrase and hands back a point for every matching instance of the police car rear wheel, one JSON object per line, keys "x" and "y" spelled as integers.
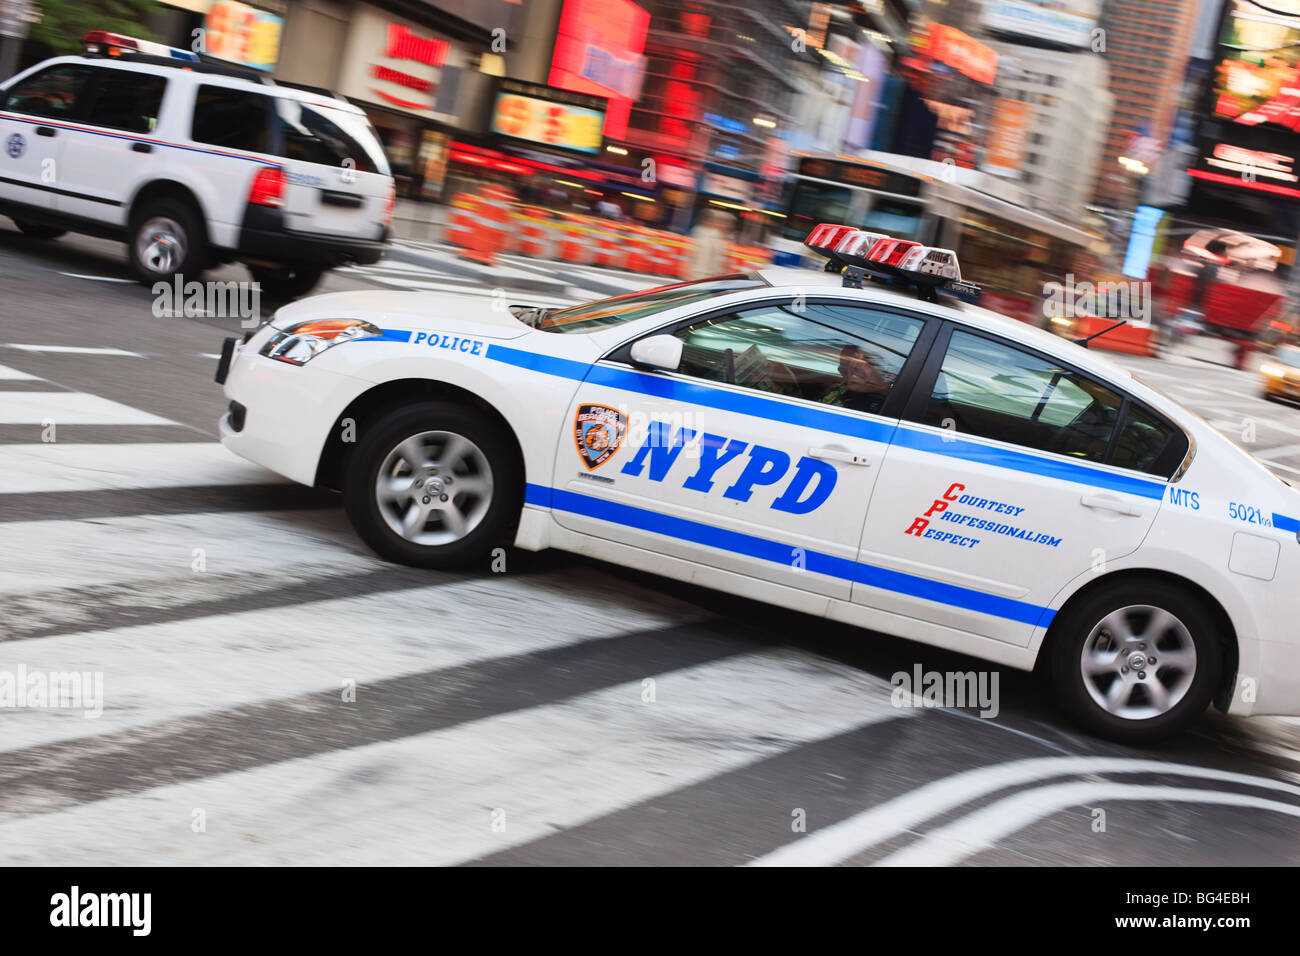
{"x": 432, "y": 485}
{"x": 37, "y": 231}
{"x": 166, "y": 239}
{"x": 1136, "y": 662}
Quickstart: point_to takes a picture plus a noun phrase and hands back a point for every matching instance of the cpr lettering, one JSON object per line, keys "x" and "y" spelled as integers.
{"x": 808, "y": 488}
{"x": 940, "y": 504}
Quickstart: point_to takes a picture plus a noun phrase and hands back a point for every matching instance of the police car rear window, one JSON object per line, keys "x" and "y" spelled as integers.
{"x": 637, "y": 305}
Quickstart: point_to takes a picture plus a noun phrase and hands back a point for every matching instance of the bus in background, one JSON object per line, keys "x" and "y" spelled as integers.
{"x": 1013, "y": 250}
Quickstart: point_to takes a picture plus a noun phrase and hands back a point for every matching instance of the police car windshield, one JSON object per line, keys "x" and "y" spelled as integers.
{"x": 637, "y": 305}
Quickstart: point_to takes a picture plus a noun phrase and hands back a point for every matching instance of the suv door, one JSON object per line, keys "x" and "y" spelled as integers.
{"x": 102, "y": 158}
{"x": 758, "y": 455}
{"x": 1012, "y": 475}
{"x": 34, "y": 124}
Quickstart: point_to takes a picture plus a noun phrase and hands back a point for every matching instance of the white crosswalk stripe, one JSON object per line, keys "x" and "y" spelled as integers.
{"x": 70, "y": 408}
{"x": 434, "y": 795}
{"x": 51, "y": 466}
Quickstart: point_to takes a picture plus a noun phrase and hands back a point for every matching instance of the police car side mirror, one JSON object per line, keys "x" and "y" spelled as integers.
{"x": 663, "y": 352}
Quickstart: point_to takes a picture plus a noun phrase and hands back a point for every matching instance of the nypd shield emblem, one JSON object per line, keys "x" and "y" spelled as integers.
{"x": 598, "y": 431}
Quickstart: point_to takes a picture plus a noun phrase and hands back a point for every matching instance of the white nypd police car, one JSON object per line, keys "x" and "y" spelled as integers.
{"x": 935, "y": 472}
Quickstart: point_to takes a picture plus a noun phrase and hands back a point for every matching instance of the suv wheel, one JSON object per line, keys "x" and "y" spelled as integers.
{"x": 284, "y": 283}
{"x": 166, "y": 239}
{"x": 1135, "y": 662}
{"x": 38, "y": 231}
{"x": 434, "y": 485}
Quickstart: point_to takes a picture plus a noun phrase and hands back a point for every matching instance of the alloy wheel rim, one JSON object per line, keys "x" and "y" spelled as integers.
{"x": 161, "y": 245}
{"x": 1138, "y": 662}
{"x": 434, "y": 488}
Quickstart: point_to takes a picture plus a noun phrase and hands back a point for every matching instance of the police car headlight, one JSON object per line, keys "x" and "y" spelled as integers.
{"x": 301, "y": 343}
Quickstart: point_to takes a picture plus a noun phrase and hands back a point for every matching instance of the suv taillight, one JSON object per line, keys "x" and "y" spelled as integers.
{"x": 268, "y": 187}
{"x": 390, "y": 204}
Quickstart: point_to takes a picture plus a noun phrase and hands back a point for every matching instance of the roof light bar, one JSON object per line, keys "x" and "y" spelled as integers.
{"x": 857, "y": 255}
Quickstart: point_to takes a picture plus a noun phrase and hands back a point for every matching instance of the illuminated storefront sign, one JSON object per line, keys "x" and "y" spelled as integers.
{"x": 546, "y": 115}
{"x": 242, "y": 34}
{"x": 963, "y": 53}
{"x": 400, "y": 65}
{"x": 1039, "y": 21}
{"x": 599, "y": 50}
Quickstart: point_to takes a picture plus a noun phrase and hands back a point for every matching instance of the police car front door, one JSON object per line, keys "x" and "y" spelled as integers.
{"x": 757, "y": 456}
{"x": 1009, "y": 483}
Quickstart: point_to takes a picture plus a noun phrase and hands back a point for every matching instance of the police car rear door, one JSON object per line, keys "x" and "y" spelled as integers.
{"x": 758, "y": 455}
{"x": 1011, "y": 475}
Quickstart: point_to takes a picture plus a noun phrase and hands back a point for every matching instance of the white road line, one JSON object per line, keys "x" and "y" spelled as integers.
{"x": 430, "y": 799}
{"x": 1274, "y": 464}
{"x": 850, "y": 837}
{"x": 209, "y": 355}
{"x": 65, "y": 467}
{"x": 70, "y": 408}
{"x": 15, "y": 375}
{"x": 71, "y": 349}
{"x": 37, "y": 556}
{"x": 983, "y": 829}
{"x": 77, "y": 275}
{"x": 154, "y": 673}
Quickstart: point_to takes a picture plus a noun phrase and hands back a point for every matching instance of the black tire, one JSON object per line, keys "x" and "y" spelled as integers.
{"x": 155, "y": 253}
{"x": 38, "y": 231}
{"x": 380, "y": 436}
{"x": 286, "y": 282}
{"x": 1074, "y": 628}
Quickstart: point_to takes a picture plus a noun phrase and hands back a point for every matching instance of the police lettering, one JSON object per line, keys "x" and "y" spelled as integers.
{"x": 807, "y": 490}
{"x": 453, "y": 342}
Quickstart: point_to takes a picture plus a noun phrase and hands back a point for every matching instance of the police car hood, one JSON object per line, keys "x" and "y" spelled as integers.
{"x": 422, "y": 311}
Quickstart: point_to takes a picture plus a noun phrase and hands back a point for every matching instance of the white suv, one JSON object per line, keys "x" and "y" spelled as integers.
{"x": 192, "y": 164}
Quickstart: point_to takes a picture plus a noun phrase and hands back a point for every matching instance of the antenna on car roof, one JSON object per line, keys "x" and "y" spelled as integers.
{"x": 1112, "y": 328}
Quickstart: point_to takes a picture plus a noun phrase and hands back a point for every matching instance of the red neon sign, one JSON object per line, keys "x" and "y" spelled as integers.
{"x": 405, "y": 45}
{"x": 598, "y": 48}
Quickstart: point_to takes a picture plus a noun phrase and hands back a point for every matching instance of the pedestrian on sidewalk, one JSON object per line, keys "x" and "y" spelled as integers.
{"x": 710, "y": 243}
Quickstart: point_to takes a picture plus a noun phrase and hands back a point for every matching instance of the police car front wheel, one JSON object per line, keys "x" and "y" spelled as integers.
{"x": 1137, "y": 661}
{"x": 432, "y": 485}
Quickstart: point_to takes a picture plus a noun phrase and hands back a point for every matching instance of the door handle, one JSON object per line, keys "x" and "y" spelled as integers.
{"x": 839, "y": 454}
{"x": 1110, "y": 503}
{"x": 46, "y": 131}
{"x": 142, "y": 147}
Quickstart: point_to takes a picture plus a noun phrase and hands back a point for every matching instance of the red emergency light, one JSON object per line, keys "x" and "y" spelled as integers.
{"x": 857, "y": 255}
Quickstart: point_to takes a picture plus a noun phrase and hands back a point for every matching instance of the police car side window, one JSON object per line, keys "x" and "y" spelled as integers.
{"x": 52, "y": 93}
{"x": 232, "y": 118}
{"x": 123, "y": 99}
{"x": 792, "y": 350}
{"x": 995, "y": 390}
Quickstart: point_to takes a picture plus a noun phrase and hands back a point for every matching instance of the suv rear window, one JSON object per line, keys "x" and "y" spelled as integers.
{"x": 330, "y": 137}
{"x": 235, "y": 119}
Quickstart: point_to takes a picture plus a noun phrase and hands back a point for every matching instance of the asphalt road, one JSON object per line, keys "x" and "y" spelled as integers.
{"x": 275, "y": 694}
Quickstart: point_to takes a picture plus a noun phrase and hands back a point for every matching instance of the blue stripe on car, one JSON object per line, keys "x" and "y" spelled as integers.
{"x": 769, "y": 409}
{"x": 1286, "y": 522}
{"x": 766, "y": 549}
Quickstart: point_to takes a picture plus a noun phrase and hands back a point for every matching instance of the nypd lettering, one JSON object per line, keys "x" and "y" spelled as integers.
{"x": 940, "y": 510}
{"x": 756, "y": 466}
{"x": 453, "y": 342}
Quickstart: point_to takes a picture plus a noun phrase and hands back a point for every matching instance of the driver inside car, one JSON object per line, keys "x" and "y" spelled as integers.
{"x": 862, "y": 387}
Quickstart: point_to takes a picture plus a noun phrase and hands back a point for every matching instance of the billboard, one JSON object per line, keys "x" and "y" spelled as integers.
{"x": 1008, "y": 137}
{"x": 541, "y": 114}
{"x": 1256, "y": 78}
{"x": 1041, "y": 21}
{"x": 241, "y": 34}
{"x": 963, "y": 53}
{"x": 599, "y": 48}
